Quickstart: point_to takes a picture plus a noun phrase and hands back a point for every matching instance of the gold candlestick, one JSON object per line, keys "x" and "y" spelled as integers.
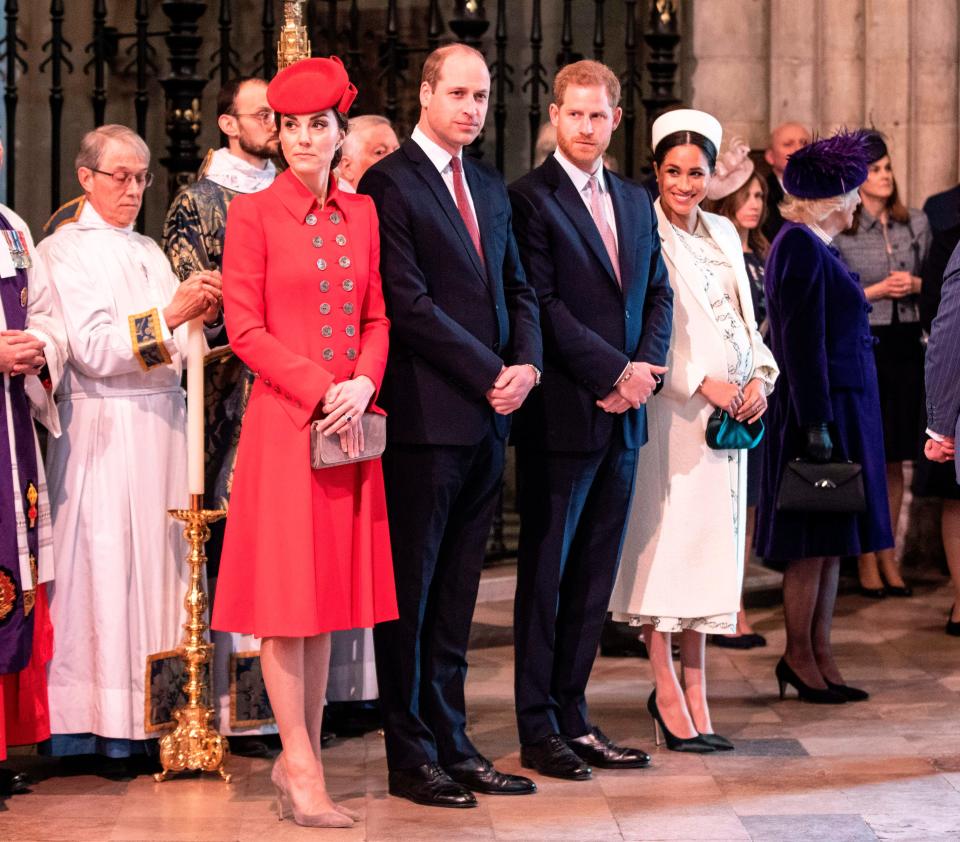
{"x": 194, "y": 743}
{"x": 294, "y": 41}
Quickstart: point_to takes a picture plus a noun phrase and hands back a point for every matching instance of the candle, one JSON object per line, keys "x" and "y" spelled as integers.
{"x": 195, "y": 449}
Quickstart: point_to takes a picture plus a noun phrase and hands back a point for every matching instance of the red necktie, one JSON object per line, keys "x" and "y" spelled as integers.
{"x": 600, "y": 218}
{"x": 463, "y": 205}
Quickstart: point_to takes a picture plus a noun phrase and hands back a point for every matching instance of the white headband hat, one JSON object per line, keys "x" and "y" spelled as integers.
{"x": 687, "y": 120}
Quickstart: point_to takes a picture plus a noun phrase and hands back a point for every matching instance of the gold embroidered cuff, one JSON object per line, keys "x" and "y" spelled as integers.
{"x": 146, "y": 333}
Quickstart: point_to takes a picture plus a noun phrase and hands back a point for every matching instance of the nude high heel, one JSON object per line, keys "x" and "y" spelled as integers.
{"x": 285, "y": 805}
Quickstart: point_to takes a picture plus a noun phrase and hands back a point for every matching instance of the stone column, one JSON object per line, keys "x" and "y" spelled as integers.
{"x": 794, "y": 63}
{"x": 842, "y": 48}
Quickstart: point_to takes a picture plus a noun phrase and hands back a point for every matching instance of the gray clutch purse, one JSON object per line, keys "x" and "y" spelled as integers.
{"x": 325, "y": 451}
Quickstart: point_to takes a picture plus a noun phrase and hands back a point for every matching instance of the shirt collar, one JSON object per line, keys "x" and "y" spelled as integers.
{"x": 867, "y": 220}
{"x": 820, "y": 233}
{"x": 438, "y": 156}
{"x": 90, "y": 220}
{"x": 579, "y": 178}
{"x": 233, "y": 173}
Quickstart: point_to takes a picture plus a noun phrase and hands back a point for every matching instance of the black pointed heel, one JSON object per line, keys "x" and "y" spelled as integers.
{"x": 814, "y": 695}
{"x": 719, "y": 743}
{"x": 851, "y": 694}
{"x": 695, "y": 745}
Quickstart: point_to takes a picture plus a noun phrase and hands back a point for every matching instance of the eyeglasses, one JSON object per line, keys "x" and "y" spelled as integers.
{"x": 121, "y": 177}
{"x": 265, "y": 117}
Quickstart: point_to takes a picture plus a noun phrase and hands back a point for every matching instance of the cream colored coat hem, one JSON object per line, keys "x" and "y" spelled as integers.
{"x": 681, "y": 555}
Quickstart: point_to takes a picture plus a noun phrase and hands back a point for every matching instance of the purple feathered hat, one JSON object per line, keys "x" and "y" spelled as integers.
{"x": 828, "y": 167}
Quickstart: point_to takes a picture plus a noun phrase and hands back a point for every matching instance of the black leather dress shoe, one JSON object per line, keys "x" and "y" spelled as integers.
{"x": 12, "y": 783}
{"x": 477, "y": 774}
{"x": 552, "y": 757}
{"x": 429, "y": 785}
{"x": 597, "y": 749}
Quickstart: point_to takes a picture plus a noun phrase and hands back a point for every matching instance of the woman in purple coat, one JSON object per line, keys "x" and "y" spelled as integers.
{"x": 826, "y": 406}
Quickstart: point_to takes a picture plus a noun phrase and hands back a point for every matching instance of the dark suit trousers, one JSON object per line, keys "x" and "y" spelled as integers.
{"x": 440, "y": 501}
{"x": 573, "y": 509}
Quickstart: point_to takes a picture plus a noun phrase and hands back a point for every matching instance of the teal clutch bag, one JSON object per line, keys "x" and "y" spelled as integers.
{"x": 726, "y": 433}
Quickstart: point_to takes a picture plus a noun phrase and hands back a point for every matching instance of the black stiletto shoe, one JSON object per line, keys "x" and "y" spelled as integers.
{"x": 719, "y": 743}
{"x": 695, "y": 745}
{"x": 873, "y": 593}
{"x": 814, "y": 695}
{"x": 898, "y": 590}
{"x": 851, "y": 694}
{"x": 953, "y": 626}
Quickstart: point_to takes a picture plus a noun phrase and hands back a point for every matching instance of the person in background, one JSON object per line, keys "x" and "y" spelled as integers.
{"x": 193, "y": 235}
{"x": 737, "y": 192}
{"x": 785, "y": 139}
{"x": 33, "y": 349}
{"x": 885, "y": 248}
{"x": 826, "y": 406}
{"x": 370, "y": 137}
{"x": 679, "y": 574}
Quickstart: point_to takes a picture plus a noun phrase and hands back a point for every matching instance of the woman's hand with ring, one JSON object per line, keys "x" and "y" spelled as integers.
{"x": 345, "y": 403}
{"x": 754, "y": 402}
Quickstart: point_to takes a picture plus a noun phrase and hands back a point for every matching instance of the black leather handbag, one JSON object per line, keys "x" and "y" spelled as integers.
{"x": 822, "y": 487}
{"x": 726, "y": 433}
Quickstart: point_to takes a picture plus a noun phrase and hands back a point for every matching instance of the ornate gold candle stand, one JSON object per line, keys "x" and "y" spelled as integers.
{"x": 194, "y": 743}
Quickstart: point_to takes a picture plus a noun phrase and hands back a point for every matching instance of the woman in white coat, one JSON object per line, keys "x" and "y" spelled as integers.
{"x": 682, "y": 562}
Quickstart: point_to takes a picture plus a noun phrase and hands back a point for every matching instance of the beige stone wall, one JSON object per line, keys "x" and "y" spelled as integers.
{"x": 887, "y": 63}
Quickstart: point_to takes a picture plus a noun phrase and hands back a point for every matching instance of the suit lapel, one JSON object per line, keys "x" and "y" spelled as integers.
{"x": 572, "y": 204}
{"x": 428, "y": 172}
{"x": 483, "y": 207}
{"x": 625, "y": 212}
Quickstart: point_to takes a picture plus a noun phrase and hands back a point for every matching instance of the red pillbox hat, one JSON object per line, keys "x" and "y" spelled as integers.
{"x": 311, "y": 85}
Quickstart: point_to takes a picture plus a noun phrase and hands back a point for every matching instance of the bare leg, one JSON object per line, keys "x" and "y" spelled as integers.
{"x": 801, "y": 593}
{"x": 316, "y": 667}
{"x": 869, "y": 572}
{"x": 823, "y": 621}
{"x": 670, "y": 701}
{"x": 950, "y": 527}
{"x": 887, "y": 559}
{"x": 693, "y": 661}
{"x": 282, "y": 660}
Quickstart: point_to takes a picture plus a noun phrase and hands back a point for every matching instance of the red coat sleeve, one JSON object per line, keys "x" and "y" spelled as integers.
{"x": 302, "y": 382}
{"x": 374, "y": 324}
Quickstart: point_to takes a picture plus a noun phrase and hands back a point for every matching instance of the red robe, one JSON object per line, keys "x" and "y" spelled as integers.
{"x": 305, "y": 551}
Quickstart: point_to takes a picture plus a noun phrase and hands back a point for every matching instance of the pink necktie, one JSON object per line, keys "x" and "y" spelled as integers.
{"x": 606, "y": 232}
{"x": 463, "y": 205}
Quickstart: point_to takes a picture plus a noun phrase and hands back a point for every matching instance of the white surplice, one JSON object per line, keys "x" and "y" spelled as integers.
{"x": 119, "y": 464}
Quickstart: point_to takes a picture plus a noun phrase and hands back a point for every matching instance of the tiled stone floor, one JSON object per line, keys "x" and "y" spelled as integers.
{"x": 886, "y": 769}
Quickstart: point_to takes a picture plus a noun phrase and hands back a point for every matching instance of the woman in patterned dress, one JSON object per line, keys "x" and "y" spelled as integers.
{"x": 682, "y": 561}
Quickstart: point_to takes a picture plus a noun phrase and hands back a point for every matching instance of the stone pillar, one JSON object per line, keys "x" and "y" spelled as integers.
{"x": 794, "y": 63}
{"x": 842, "y": 47}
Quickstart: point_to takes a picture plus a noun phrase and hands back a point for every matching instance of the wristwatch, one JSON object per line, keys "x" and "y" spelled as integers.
{"x": 537, "y": 373}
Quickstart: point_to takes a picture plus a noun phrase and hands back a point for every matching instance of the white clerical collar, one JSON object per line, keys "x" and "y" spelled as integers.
{"x": 234, "y": 173}
{"x": 579, "y": 178}
{"x": 438, "y": 156}
{"x": 345, "y": 186}
{"x": 90, "y": 220}
{"x": 820, "y": 233}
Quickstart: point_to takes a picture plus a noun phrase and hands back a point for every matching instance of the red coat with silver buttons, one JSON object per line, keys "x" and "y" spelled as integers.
{"x": 305, "y": 551}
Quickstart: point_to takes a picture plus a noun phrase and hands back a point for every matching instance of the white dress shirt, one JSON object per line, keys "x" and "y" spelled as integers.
{"x": 440, "y": 158}
{"x": 581, "y": 180}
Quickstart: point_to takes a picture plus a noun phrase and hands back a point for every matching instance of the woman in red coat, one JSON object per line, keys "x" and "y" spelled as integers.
{"x": 306, "y": 552}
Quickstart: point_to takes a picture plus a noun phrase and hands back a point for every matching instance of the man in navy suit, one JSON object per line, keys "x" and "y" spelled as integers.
{"x": 465, "y": 350}
{"x": 588, "y": 241}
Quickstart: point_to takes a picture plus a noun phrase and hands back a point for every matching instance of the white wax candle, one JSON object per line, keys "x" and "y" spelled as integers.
{"x": 195, "y": 449}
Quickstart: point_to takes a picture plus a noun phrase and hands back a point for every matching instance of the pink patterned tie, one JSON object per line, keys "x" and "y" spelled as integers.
{"x": 606, "y": 232}
{"x": 463, "y": 205}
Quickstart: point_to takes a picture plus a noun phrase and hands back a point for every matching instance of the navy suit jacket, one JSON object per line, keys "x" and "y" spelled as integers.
{"x": 591, "y": 327}
{"x": 943, "y": 209}
{"x": 455, "y": 321}
{"x": 943, "y": 359}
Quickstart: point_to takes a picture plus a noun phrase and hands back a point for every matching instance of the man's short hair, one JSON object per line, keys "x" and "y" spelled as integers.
{"x": 434, "y": 63}
{"x": 227, "y": 97}
{"x": 587, "y": 74}
{"x": 94, "y": 143}
{"x": 356, "y": 126}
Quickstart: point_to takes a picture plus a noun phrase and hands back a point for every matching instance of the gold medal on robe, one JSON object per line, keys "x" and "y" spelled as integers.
{"x": 23, "y": 297}
{"x": 32, "y": 498}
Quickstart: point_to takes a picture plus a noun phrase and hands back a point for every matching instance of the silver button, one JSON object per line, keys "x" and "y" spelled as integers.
{"x": 324, "y": 286}
{"x": 344, "y": 262}
{"x": 318, "y": 242}
{"x": 351, "y": 353}
{"x": 324, "y": 308}
{"x": 350, "y": 330}
{"x": 348, "y": 308}
{"x": 311, "y": 219}
{"x": 348, "y": 285}
{"x": 341, "y": 240}
{"x": 335, "y": 218}
{"x": 326, "y": 331}
{"x": 328, "y": 354}
{"x": 321, "y": 264}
